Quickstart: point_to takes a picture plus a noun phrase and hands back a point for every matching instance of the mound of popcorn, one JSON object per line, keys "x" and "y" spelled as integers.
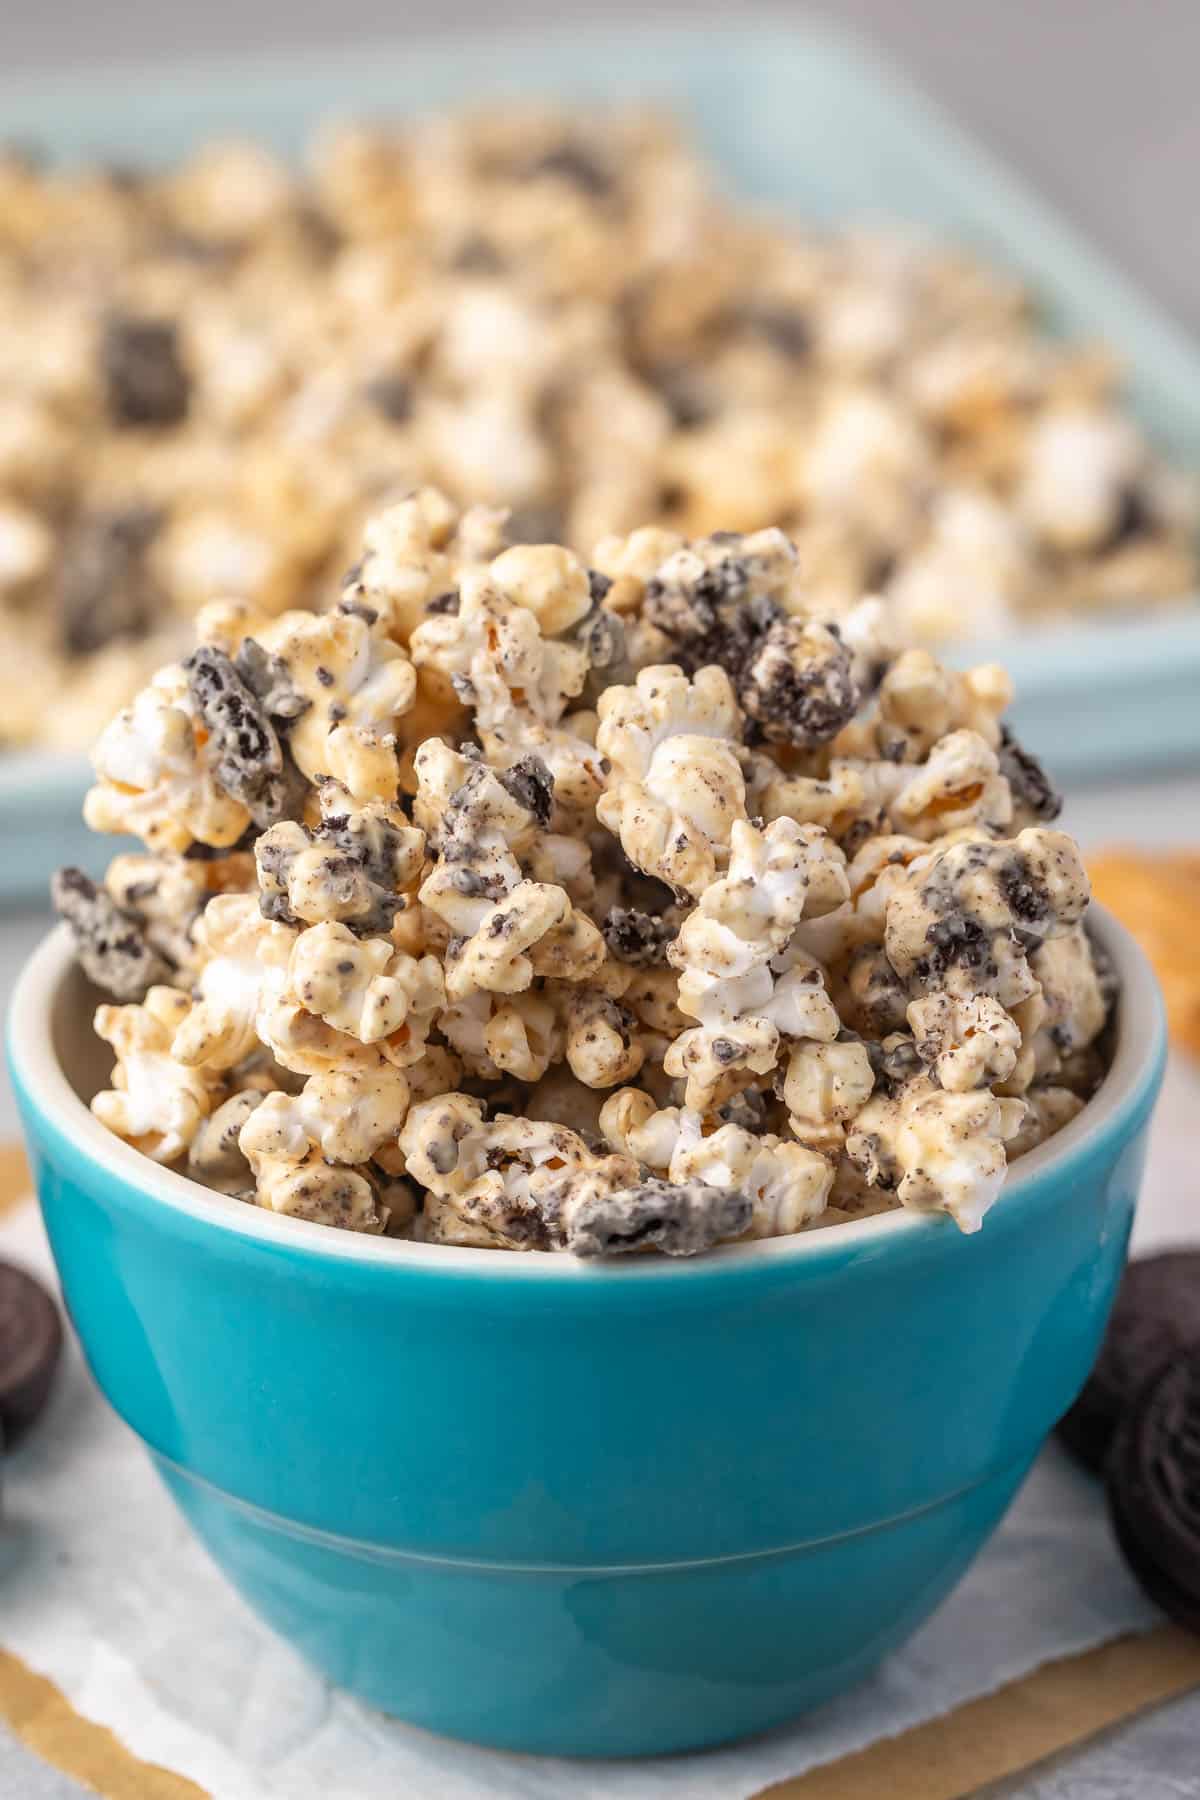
{"x": 524, "y": 903}
{"x": 215, "y": 373}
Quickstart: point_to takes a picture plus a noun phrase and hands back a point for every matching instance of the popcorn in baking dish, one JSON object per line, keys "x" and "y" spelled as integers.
{"x": 618, "y": 954}
{"x": 544, "y": 330}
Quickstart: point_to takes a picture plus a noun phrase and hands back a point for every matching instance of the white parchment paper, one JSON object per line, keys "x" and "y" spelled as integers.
{"x": 103, "y": 1590}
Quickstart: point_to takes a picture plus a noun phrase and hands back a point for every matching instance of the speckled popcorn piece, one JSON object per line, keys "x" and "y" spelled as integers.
{"x": 595, "y": 960}
{"x": 357, "y": 865}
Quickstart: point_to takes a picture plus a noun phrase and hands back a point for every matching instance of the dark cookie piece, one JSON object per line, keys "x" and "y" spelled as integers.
{"x": 793, "y": 677}
{"x": 445, "y": 604}
{"x": 30, "y": 1346}
{"x": 895, "y": 1061}
{"x": 600, "y": 634}
{"x": 1034, "y": 794}
{"x": 392, "y": 396}
{"x": 1135, "y": 518}
{"x": 784, "y": 328}
{"x": 577, "y": 166}
{"x": 637, "y": 938}
{"x": 705, "y": 610}
{"x": 535, "y": 524}
{"x": 111, "y": 945}
{"x": 476, "y": 255}
{"x": 1153, "y": 1488}
{"x": 1156, "y": 1314}
{"x": 269, "y": 680}
{"x": 799, "y": 686}
{"x": 746, "y": 1108}
{"x": 680, "y": 1219}
{"x": 105, "y": 590}
{"x": 144, "y": 377}
{"x": 250, "y": 761}
{"x": 683, "y": 389}
{"x": 531, "y": 785}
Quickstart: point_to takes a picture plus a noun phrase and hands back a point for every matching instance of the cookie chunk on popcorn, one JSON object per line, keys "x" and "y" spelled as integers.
{"x": 517, "y": 903}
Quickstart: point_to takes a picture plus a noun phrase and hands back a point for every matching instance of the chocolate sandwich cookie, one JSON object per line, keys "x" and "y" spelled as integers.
{"x": 1157, "y": 1313}
{"x": 30, "y": 1344}
{"x": 1154, "y": 1488}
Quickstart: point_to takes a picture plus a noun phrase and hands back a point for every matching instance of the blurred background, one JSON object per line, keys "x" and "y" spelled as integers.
{"x": 1094, "y": 100}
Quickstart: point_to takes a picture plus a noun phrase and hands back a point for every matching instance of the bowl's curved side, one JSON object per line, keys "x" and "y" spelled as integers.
{"x": 588, "y": 1424}
{"x": 607, "y": 1663}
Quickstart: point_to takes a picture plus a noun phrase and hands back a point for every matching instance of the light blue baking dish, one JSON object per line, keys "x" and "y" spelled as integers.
{"x": 799, "y": 116}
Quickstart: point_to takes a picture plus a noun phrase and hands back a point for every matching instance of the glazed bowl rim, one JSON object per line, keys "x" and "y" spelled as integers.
{"x": 38, "y": 1075}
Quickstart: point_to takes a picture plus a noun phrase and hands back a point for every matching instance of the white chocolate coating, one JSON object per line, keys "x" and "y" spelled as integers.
{"x": 761, "y": 938}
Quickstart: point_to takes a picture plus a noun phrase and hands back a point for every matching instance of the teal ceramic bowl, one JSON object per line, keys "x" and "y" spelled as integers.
{"x": 576, "y": 1509}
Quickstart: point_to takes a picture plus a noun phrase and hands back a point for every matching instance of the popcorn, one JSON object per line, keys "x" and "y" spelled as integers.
{"x": 940, "y": 1152}
{"x": 346, "y": 1116}
{"x": 735, "y": 602}
{"x": 452, "y": 301}
{"x": 1081, "y": 463}
{"x": 1073, "y": 1003}
{"x": 354, "y": 868}
{"x": 526, "y": 1183}
{"x": 489, "y": 649}
{"x": 600, "y": 1044}
{"x": 322, "y": 1193}
{"x": 215, "y": 1156}
{"x": 675, "y": 789}
{"x": 244, "y": 964}
{"x": 158, "y": 774}
{"x": 156, "y": 1103}
{"x": 954, "y": 921}
{"x": 506, "y": 928}
{"x": 786, "y": 1184}
{"x": 745, "y": 952}
{"x": 369, "y": 990}
{"x": 357, "y": 683}
{"x": 1047, "y": 1110}
{"x": 731, "y": 950}
{"x": 826, "y": 1084}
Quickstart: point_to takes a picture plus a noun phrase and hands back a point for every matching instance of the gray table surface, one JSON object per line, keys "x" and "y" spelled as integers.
{"x": 1095, "y": 101}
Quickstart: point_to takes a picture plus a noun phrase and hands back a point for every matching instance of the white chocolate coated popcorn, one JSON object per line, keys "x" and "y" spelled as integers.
{"x": 676, "y": 789}
{"x": 156, "y": 1102}
{"x": 609, "y": 955}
